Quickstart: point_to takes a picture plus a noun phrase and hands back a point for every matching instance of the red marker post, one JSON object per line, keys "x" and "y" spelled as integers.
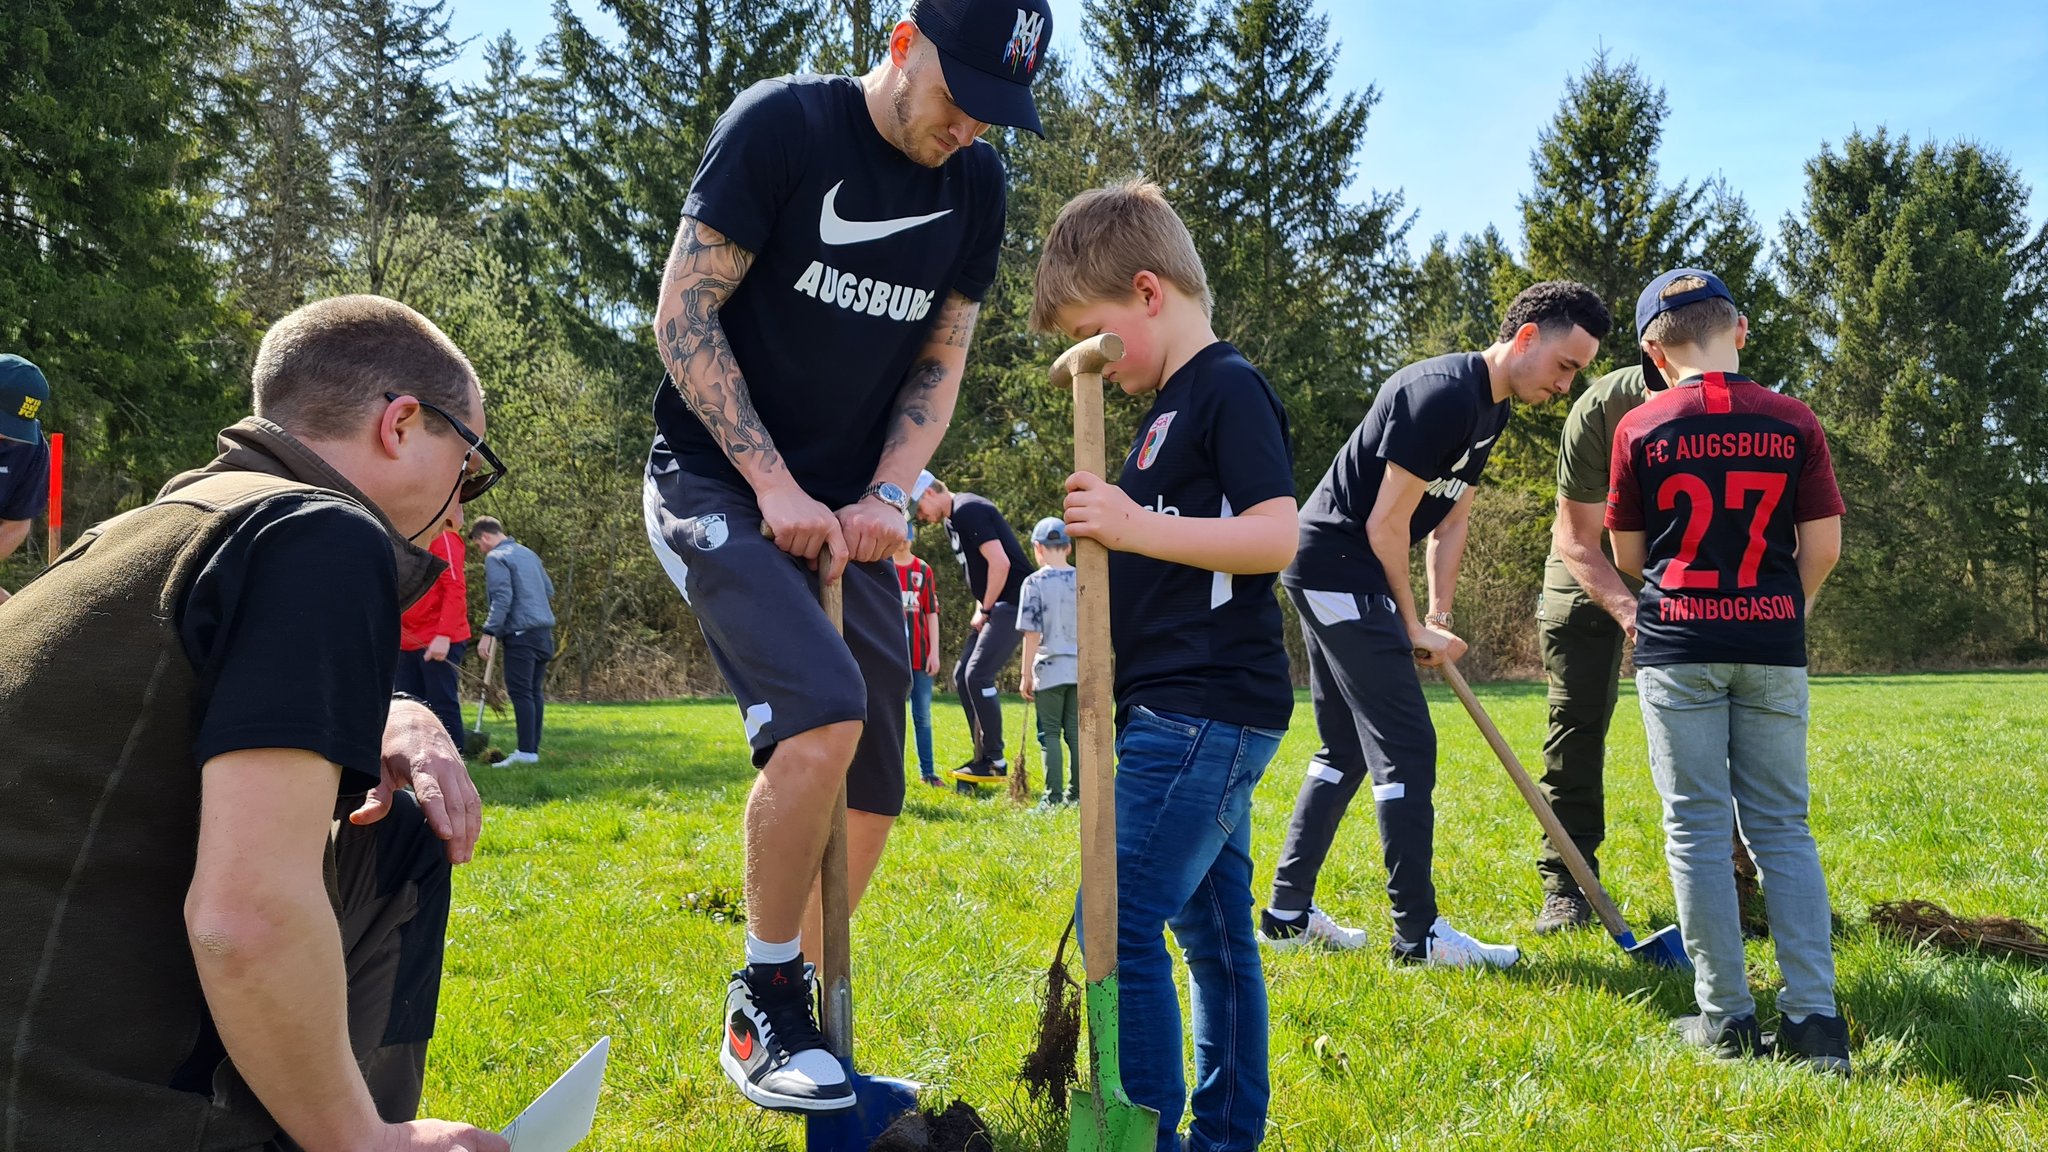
{"x": 56, "y": 509}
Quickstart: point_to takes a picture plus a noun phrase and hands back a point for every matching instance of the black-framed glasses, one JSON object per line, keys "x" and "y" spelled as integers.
{"x": 474, "y": 484}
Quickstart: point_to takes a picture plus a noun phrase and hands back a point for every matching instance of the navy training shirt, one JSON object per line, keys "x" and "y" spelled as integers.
{"x": 1718, "y": 472}
{"x": 1187, "y": 640}
{"x": 24, "y": 479}
{"x": 976, "y": 521}
{"x": 856, "y": 247}
{"x": 1436, "y": 418}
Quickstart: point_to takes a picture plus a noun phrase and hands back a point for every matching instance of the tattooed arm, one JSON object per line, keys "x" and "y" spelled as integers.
{"x": 704, "y": 269}
{"x": 924, "y": 407}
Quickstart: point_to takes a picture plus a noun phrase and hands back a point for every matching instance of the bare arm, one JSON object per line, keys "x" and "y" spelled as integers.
{"x": 704, "y": 270}
{"x": 1630, "y": 550}
{"x": 12, "y": 533}
{"x": 1386, "y": 527}
{"x": 924, "y": 405}
{"x": 1025, "y": 687}
{"x": 1576, "y": 534}
{"x": 1446, "y": 553}
{"x": 998, "y": 572}
{"x": 1820, "y": 546}
{"x": 269, "y": 958}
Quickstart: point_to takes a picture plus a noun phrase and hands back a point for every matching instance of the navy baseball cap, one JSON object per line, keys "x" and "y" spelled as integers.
{"x": 1051, "y": 531}
{"x": 1653, "y": 303}
{"x": 23, "y": 392}
{"x": 991, "y": 51}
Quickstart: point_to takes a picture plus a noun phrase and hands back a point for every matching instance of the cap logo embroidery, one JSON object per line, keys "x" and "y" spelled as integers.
{"x": 30, "y": 405}
{"x": 1023, "y": 47}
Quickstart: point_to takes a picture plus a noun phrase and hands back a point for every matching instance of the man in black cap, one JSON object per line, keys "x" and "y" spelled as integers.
{"x": 814, "y": 318}
{"x": 24, "y": 454}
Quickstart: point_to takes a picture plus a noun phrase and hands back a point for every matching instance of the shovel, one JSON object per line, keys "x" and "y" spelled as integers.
{"x": 1663, "y": 948}
{"x": 1101, "y": 1117}
{"x": 878, "y": 1101}
{"x": 474, "y": 743}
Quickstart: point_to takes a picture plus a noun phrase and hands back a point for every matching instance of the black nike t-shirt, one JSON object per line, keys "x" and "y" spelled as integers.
{"x": 1435, "y": 418}
{"x": 292, "y": 631}
{"x": 856, "y": 248}
{"x": 1216, "y": 441}
{"x": 974, "y": 522}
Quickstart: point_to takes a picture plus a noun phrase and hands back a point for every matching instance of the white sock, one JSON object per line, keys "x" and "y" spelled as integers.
{"x": 1287, "y": 915}
{"x": 761, "y": 952}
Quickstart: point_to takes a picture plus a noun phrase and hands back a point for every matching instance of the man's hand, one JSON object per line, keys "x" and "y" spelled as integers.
{"x": 1026, "y": 686}
{"x": 1100, "y": 511}
{"x": 931, "y": 661}
{"x": 872, "y": 530}
{"x": 484, "y": 644}
{"x": 439, "y": 1136}
{"x": 418, "y": 753}
{"x": 803, "y": 527}
{"x": 1627, "y": 620}
{"x": 1435, "y": 646}
{"x": 979, "y": 618}
{"x": 437, "y": 648}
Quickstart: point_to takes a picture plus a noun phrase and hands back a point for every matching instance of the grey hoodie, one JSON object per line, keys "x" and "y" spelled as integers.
{"x": 518, "y": 589}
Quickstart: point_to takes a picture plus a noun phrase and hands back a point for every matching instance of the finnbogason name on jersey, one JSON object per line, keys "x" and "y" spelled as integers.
{"x": 864, "y": 294}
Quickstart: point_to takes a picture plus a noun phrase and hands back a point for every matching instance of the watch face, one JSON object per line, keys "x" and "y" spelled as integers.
{"x": 891, "y": 493}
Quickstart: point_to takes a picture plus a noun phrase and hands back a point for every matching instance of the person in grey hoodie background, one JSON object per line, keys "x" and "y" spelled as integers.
{"x": 519, "y": 590}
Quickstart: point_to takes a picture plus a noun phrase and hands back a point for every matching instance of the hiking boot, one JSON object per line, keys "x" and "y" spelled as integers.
{"x": 1562, "y": 910}
{"x": 1819, "y": 1042}
{"x": 772, "y": 1049}
{"x": 1314, "y": 929}
{"x": 1446, "y": 947}
{"x": 1732, "y": 1040}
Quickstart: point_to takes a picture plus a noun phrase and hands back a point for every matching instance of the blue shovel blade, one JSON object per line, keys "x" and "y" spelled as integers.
{"x": 1663, "y": 948}
{"x": 878, "y": 1101}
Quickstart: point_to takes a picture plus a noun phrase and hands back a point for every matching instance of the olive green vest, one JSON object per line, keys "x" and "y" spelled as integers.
{"x": 100, "y": 1004}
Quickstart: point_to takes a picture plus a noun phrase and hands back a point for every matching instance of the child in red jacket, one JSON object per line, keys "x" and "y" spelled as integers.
{"x": 434, "y": 633}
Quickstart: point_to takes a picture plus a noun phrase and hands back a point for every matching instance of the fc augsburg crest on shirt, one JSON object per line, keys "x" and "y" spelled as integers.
{"x": 1155, "y": 439}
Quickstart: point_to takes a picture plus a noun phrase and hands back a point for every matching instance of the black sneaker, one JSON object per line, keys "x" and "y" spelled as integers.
{"x": 1563, "y": 911}
{"x": 772, "y": 1050}
{"x": 1819, "y": 1042}
{"x": 981, "y": 772}
{"x": 1733, "y": 1040}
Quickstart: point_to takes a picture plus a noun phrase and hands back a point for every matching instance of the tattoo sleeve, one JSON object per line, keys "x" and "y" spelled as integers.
{"x": 704, "y": 269}
{"x": 925, "y": 402}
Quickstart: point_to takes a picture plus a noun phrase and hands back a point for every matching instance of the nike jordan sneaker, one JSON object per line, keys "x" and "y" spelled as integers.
{"x": 772, "y": 1049}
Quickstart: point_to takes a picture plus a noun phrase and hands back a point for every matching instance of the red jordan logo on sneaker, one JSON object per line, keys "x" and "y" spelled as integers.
{"x": 742, "y": 1047}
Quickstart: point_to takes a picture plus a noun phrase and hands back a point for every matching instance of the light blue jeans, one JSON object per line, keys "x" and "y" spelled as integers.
{"x": 1183, "y": 857}
{"x": 921, "y": 721}
{"x": 1729, "y": 738}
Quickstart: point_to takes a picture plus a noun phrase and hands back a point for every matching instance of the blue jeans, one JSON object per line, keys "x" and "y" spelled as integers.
{"x": 1183, "y": 846}
{"x": 921, "y": 721}
{"x": 1729, "y": 738}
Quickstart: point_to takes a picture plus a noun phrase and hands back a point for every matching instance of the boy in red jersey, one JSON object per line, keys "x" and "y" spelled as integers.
{"x": 1724, "y": 500}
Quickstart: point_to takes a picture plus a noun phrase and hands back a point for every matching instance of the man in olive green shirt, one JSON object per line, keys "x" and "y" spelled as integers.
{"x": 1585, "y": 614}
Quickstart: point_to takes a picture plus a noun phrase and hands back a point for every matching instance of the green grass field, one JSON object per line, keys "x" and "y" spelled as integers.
{"x": 573, "y": 923}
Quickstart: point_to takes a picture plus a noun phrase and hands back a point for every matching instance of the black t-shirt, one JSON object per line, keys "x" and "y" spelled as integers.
{"x": 292, "y": 630}
{"x": 24, "y": 479}
{"x": 975, "y": 522}
{"x": 856, "y": 248}
{"x": 1201, "y": 643}
{"x": 1436, "y": 418}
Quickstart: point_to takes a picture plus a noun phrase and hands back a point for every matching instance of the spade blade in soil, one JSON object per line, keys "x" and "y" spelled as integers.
{"x": 1663, "y": 948}
{"x": 878, "y": 1102}
{"x": 1102, "y": 1117}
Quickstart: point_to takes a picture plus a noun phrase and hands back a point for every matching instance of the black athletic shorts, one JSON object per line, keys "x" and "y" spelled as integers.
{"x": 759, "y": 610}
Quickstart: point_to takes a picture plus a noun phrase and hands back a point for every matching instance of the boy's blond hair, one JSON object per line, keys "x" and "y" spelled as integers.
{"x": 1106, "y": 236}
{"x": 1694, "y": 324}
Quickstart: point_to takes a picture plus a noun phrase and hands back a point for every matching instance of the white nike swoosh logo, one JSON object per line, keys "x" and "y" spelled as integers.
{"x": 834, "y": 230}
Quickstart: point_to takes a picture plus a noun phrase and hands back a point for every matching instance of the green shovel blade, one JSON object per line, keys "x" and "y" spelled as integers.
{"x": 1100, "y": 1117}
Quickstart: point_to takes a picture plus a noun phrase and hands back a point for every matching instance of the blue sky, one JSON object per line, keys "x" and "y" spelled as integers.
{"x": 1754, "y": 88}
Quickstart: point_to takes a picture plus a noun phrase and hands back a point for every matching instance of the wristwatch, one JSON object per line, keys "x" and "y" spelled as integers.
{"x": 891, "y": 495}
{"x": 1440, "y": 619}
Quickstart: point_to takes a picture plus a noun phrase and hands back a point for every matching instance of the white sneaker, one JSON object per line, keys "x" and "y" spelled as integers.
{"x": 1315, "y": 930}
{"x": 521, "y": 758}
{"x": 1446, "y": 947}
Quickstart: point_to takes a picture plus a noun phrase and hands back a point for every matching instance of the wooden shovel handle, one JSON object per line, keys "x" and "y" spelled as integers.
{"x": 1080, "y": 367}
{"x": 1610, "y": 916}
